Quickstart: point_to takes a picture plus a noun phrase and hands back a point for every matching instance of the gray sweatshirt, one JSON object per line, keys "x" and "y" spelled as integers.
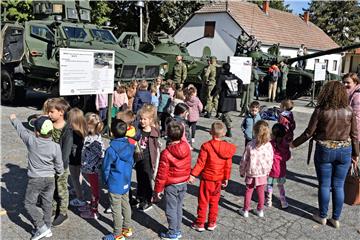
{"x": 44, "y": 155}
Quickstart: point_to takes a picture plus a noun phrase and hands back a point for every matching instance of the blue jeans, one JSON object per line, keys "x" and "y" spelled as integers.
{"x": 331, "y": 166}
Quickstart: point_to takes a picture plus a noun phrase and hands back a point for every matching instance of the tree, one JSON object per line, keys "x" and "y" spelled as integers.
{"x": 338, "y": 19}
{"x": 276, "y": 4}
{"x": 100, "y": 11}
{"x": 16, "y": 10}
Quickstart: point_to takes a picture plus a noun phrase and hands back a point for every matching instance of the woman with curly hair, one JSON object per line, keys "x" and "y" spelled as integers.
{"x": 333, "y": 127}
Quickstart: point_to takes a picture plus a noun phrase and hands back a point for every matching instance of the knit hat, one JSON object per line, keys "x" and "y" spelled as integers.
{"x": 43, "y": 125}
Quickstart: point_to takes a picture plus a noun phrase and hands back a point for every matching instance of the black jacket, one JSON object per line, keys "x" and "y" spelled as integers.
{"x": 226, "y": 104}
{"x": 66, "y": 144}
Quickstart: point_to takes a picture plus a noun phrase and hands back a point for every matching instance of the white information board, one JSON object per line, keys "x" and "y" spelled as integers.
{"x": 320, "y": 72}
{"x": 241, "y": 67}
{"x": 84, "y": 71}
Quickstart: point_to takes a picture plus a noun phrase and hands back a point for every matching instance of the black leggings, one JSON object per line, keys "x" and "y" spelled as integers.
{"x": 192, "y": 126}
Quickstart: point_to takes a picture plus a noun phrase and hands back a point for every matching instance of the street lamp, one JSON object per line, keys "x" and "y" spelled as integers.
{"x": 140, "y": 5}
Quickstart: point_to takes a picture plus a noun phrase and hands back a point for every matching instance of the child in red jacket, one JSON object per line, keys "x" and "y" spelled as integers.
{"x": 172, "y": 176}
{"x": 214, "y": 166}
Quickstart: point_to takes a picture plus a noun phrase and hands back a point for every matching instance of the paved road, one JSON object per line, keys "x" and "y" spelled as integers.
{"x": 293, "y": 223}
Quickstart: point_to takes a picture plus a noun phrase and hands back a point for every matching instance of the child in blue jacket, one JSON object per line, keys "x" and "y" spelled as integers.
{"x": 251, "y": 117}
{"x": 117, "y": 169}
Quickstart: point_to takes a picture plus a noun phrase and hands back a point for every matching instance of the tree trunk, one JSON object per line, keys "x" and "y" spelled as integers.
{"x": 146, "y": 22}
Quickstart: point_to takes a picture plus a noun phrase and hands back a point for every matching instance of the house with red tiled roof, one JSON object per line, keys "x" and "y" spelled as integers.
{"x": 222, "y": 22}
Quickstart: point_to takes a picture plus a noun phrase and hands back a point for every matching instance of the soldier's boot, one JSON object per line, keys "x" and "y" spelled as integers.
{"x": 228, "y": 133}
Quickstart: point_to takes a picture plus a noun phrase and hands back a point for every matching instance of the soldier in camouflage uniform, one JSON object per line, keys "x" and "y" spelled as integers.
{"x": 179, "y": 72}
{"x": 210, "y": 82}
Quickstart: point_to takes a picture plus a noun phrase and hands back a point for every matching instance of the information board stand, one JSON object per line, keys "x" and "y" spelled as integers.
{"x": 319, "y": 75}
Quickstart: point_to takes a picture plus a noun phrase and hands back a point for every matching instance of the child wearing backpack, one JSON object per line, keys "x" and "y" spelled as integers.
{"x": 162, "y": 110}
{"x": 142, "y": 96}
{"x": 173, "y": 174}
{"x": 91, "y": 160}
{"x": 286, "y": 118}
{"x": 117, "y": 170}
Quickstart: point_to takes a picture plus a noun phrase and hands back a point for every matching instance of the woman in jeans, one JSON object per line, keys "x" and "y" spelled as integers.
{"x": 333, "y": 127}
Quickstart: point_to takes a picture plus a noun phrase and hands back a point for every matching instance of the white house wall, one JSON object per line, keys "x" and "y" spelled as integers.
{"x": 222, "y": 45}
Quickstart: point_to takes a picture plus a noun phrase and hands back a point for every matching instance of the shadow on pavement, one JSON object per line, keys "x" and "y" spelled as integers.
{"x": 148, "y": 222}
{"x": 13, "y": 194}
{"x": 297, "y": 177}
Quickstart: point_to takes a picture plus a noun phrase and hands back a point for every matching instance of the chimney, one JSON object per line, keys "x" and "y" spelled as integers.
{"x": 306, "y": 17}
{"x": 266, "y": 7}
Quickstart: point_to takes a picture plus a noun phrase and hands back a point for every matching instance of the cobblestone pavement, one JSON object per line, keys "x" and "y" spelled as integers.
{"x": 292, "y": 223}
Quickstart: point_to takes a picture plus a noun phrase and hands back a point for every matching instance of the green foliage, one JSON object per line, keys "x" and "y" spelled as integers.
{"x": 338, "y": 19}
{"x": 276, "y": 4}
{"x": 16, "y": 10}
{"x": 100, "y": 12}
{"x": 164, "y": 16}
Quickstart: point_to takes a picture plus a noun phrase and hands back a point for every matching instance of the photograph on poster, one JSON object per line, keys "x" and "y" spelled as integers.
{"x": 102, "y": 59}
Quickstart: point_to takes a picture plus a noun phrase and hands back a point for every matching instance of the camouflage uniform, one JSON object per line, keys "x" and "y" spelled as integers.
{"x": 61, "y": 194}
{"x": 210, "y": 82}
{"x": 180, "y": 73}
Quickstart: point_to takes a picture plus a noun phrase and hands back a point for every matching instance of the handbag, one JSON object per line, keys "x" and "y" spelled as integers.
{"x": 352, "y": 186}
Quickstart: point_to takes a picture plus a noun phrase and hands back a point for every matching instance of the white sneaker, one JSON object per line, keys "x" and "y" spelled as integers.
{"x": 243, "y": 213}
{"x": 259, "y": 213}
{"x": 193, "y": 140}
{"x": 77, "y": 203}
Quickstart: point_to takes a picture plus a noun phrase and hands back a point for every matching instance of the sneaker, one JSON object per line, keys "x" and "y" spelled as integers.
{"x": 244, "y": 213}
{"x": 60, "y": 219}
{"x": 47, "y": 235}
{"x": 127, "y": 232}
{"x": 77, "y": 202}
{"x": 335, "y": 223}
{"x": 84, "y": 208}
{"x": 145, "y": 206}
{"x": 169, "y": 235}
{"x": 198, "y": 227}
{"x": 320, "y": 220}
{"x": 134, "y": 202}
{"x": 211, "y": 226}
{"x": 193, "y": 140}
{"x": 89, "y": 215}
{"x": 113, "y": 237}
{"x": 284, "y": 205}
{"x": 41, "y": 232}
{"x": 259, "y": 213}
{"x": 108, "y": 210}
{"x": 179, "y": 235}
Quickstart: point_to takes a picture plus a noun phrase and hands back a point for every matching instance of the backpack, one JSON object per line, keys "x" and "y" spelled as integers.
{"x": 274, "y": 76}
{"x": 233, "y": 88}
{"x": 91, "y": 158}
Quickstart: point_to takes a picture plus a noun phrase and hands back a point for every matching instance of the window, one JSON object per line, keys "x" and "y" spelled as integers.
{"x": 42, "y": 32}
{"x": 71, "y": 13}
{"x": 317, "y": 60}
{"x": 327, "y": 63}
{"x": 74, "y": 33}
{"x": 103, "y": 35}
{"x": 334, "y": 65}
{"x": 209, "y": 29}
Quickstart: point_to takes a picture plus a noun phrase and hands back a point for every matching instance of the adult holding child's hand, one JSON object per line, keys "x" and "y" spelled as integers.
{"x": 12, "y": 116}
{"x": 333, "y": 126}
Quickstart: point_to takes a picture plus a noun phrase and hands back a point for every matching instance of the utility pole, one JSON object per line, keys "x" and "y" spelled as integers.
{"x": 140, "y": 5}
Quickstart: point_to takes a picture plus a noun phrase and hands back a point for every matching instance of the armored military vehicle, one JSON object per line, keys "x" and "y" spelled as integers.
{"x": 299, "y": 80}
{"x": 165, "y": 47}
{"x": 30, "y": 51}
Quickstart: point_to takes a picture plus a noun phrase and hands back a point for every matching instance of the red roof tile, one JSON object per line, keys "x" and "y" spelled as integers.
{"x": 277, "y": 27}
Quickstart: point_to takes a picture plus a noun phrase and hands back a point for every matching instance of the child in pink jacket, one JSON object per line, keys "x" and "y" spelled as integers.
{"x": 278, "y": 170}
{"x": 195, "y": 108}
{"x": 255, "y": 167}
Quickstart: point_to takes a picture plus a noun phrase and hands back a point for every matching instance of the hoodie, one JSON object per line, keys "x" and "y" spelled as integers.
{"x": 174, "y": 166}
{"x": 117, "y": 165}
{"x": 195, "y": 108}
{"x": 214, "y": 160}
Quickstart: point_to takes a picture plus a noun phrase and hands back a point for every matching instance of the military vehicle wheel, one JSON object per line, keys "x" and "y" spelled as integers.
{"x": 7, "y": 88}
{"x": 84, "y": 102}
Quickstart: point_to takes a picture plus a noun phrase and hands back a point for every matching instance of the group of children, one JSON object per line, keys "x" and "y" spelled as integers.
{"x": 67, "y": 140}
